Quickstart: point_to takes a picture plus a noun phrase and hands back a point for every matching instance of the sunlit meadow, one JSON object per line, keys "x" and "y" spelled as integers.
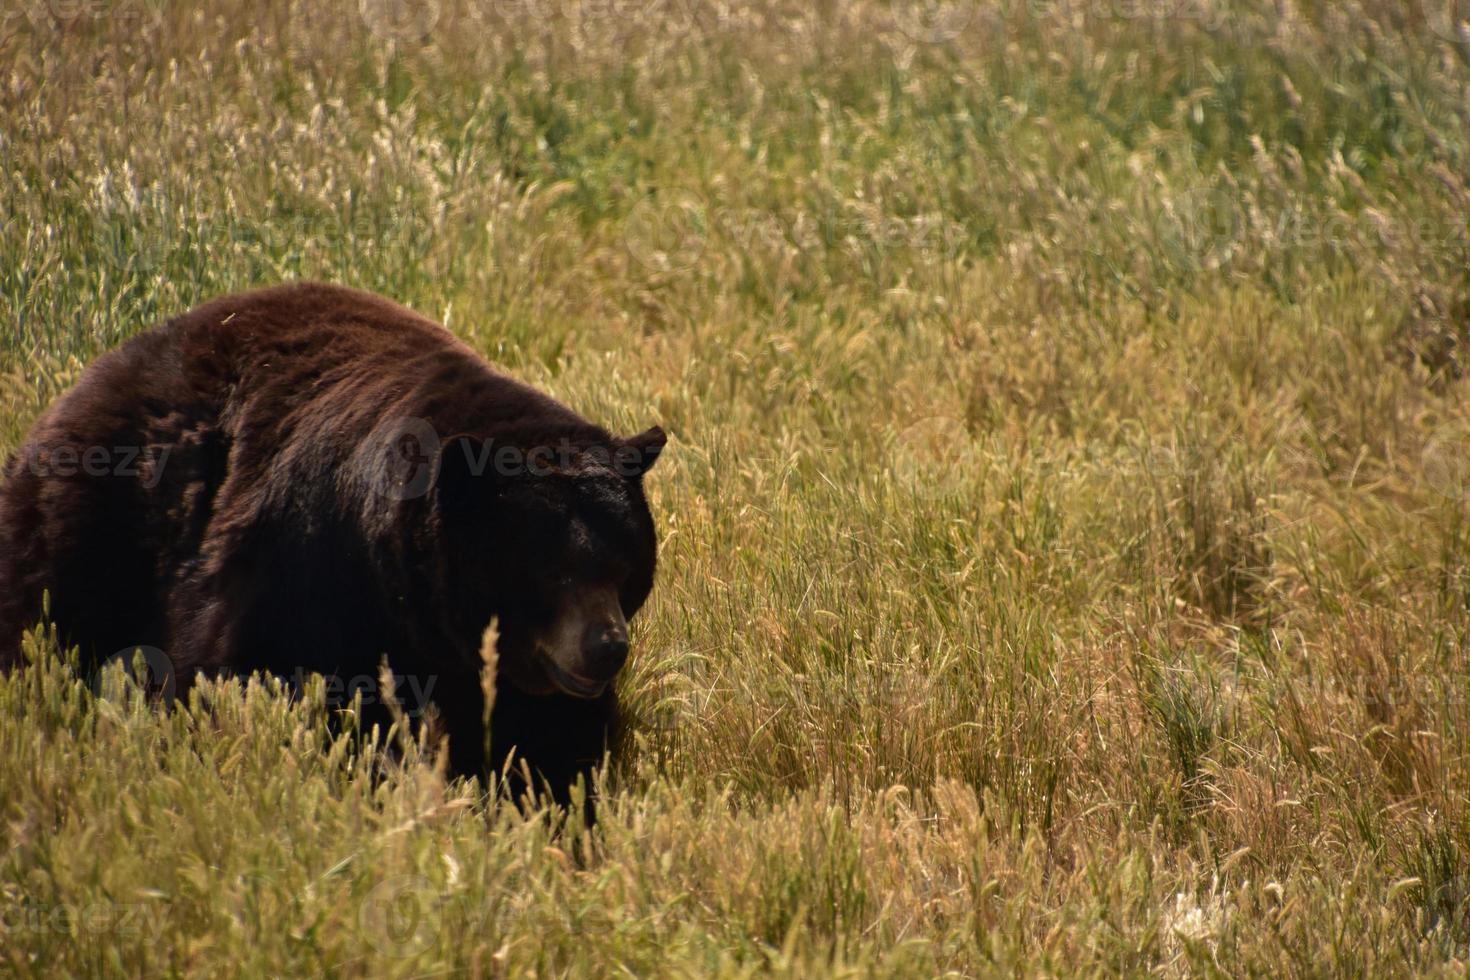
{"x": 1066, "y": 561}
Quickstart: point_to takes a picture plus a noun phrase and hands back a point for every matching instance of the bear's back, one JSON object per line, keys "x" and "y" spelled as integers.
{"x": 251, "y": 405}
{"x": 350, "y": 352}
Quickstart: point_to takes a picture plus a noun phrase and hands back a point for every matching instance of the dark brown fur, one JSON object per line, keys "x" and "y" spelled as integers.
{"x": 252, "y": 533}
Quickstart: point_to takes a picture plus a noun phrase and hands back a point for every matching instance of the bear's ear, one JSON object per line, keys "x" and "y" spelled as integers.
{"x": 638, "y": 453}
{"x": 464, "y": 471}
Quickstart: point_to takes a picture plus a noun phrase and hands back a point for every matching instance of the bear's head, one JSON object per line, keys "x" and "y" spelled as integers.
{"x": 551, "y": 537}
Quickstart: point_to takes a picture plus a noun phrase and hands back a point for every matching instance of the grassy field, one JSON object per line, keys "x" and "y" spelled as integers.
{"x": 1066, "y": 558}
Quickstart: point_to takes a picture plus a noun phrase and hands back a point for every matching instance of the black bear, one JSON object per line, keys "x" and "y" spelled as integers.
{"x": 309, "y": 478}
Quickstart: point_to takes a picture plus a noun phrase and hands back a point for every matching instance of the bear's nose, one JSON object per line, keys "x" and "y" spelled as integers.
{"x": 606, "y": 649}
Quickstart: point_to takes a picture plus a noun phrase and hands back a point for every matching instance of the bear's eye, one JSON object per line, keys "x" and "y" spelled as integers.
{"x": 606, "y": 571}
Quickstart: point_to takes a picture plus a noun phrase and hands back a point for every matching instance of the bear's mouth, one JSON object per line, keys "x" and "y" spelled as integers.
{"x": 571, "y": 683}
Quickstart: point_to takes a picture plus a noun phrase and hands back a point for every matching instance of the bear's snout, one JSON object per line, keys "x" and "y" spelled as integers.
{"x": 605, "y": 649}
{"x": 587, "y": 644}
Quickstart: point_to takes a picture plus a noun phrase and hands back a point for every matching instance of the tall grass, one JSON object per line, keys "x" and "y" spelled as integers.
{"x": 1065, "y": 559}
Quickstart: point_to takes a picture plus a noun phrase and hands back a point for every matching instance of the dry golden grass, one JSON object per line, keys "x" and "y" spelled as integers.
{"x": 1066, "y": 556}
